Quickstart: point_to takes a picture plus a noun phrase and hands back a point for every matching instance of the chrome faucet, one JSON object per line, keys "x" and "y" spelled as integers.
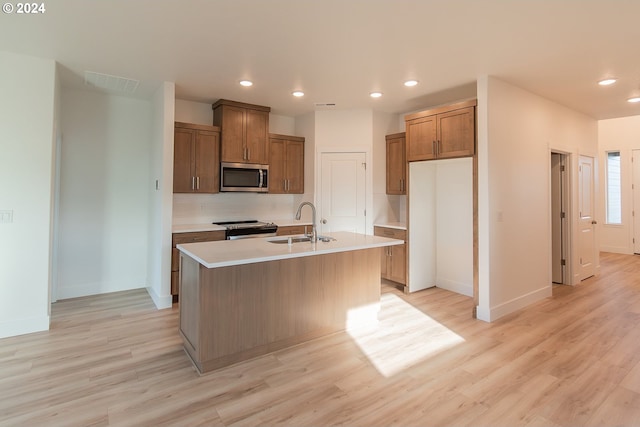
{"x": 314, "y": 233}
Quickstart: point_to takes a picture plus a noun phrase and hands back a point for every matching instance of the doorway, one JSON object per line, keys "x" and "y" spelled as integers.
{"x": 587, "y": 249}
{"x": 559, "y": 226}
{"x": 342, "y": 192}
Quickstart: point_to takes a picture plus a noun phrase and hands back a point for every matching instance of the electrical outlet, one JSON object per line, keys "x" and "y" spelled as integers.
{"x": 6, "y": 216}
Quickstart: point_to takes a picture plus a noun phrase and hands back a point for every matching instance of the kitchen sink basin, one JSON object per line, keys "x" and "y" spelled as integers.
{"x": 299, "y": 239}
{"x": 285, "y": 240}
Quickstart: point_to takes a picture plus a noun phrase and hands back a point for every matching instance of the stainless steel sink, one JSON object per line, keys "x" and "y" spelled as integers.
{"x": 299, "y": 239}
{"x": 285, "y": 240}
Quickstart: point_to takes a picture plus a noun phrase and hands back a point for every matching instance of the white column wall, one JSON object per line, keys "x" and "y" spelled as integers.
{"x": 27, "y": 140}
{"x": 160, "y": 213}
{"x": 516, "y": 132}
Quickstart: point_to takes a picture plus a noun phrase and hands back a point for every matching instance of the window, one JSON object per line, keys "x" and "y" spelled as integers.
{"x": 614, "y": 200}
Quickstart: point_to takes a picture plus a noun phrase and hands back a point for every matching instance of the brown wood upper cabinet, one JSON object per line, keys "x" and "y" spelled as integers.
{"x": 245, "y": 129}
{"x": 196, "y": 159}
{"x": 286, "y": 164}
{"x": 443, "y": 132}
{"x": 396, "y": 164}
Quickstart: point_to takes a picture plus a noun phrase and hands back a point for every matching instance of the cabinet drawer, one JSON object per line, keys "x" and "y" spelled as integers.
{"x": 199, "y": 236}
{"x": 392, "y": 233}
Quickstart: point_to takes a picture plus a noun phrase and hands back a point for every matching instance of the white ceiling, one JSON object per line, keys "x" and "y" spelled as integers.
{"x": 338, "y": 51}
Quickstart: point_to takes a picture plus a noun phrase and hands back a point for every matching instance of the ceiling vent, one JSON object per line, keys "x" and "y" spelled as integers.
{"x": 325, "y": 105}
{"x": 110, "y": 83}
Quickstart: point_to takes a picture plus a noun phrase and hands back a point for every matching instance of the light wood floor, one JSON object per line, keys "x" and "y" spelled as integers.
{"x": 570, "y": 360}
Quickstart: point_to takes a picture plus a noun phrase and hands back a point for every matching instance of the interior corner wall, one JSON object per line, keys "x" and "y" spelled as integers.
{"x": 621, "y": 134}
{"x": 516, "y": 136}
{"x": 27, "y": 139}
{"x": 160, "y": 191}
{"x": 104, "y": 181}
{"x": 386, "y": 208}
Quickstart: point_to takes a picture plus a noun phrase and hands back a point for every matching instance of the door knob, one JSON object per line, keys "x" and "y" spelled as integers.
{"x": 324, "y": 221}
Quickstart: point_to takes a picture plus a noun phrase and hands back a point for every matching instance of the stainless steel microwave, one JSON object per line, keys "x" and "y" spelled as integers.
{"x": 244, "y": 177}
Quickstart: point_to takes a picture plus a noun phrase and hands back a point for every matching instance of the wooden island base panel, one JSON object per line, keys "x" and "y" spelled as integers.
{"x": 234, "y": 313}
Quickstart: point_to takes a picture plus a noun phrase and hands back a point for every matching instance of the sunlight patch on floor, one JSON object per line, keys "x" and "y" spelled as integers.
{"x": 410, "y": 338}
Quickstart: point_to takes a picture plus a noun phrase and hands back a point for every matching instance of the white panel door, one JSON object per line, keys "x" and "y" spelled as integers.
{"x": 586, "y": 222}
{"x": 635, "y": 162}
{"x": 343, "y": 192}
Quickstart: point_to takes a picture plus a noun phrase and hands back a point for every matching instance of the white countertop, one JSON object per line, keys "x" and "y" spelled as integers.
{"x": 398, "y": 225}
{"x": 247, "y": 251}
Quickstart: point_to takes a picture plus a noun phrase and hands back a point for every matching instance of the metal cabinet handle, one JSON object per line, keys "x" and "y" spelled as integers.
{"x": 197, "y": 182}
{"x": 193, "y": 182}
{"x": 324, "y": 221}
{"x": 594, "y": 222}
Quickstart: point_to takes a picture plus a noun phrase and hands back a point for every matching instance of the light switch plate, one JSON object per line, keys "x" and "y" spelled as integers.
{"x": 6, "y": 216}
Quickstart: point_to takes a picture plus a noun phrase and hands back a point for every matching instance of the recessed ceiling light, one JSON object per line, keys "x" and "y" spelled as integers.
{"x": 607, "y": 82}
{"x": 410, "y": 83}
{"x": 246, "y": 83}
{"x": 634, "y": 99}
{"x": 297, "y": 93}
{"x": 375, "y": 94}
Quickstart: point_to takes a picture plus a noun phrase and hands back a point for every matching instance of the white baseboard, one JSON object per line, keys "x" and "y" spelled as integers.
{"x": 97, "y": 288}
{"x": 457, "y": 287}
{"x": 161, "y": 301}
{"x": 16, "y": 327}
{"x": 494, "y": 313}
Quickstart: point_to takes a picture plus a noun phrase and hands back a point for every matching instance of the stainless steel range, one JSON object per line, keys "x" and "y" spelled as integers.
{"x": 248, "y": 228}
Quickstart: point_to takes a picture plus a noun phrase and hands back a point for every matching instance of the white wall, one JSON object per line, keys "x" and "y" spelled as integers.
{"x": 104, "y": 200}
{"x": 422, "y": 225}
{"x": 161, "y": 196}
{"x": 441, "y": 225}
{"x": 454, "y": 225}
{"x": 622, "y": 134}
{"x": 27, "y": 139}
{"x": 516, "y": 132}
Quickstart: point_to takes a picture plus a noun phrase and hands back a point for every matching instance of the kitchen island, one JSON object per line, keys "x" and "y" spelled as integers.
{"x": 244, "y": 298}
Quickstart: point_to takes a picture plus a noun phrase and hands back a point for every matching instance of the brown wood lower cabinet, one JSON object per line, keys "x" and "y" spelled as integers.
{"x": 181, "y": 238}
{"x": 234, "y": 313}
{"x": 394, "y": 258}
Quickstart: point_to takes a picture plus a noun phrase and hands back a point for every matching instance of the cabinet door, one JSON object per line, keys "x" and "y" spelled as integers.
{"x": 456, "y": 133}
{"x": 397, "y": 264}
{"x": 396, "y": 166}
{"x": 277, "y": 178}
{"x": 256, "y": 136}
{"x": 421, "y": 138}
{"x": 295, "y": 167}
{"x": 384, "y": 263}
{"x": 183, "y": 170}
{"x": 233, "y": 134}
{"x": 207, "y": 162}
